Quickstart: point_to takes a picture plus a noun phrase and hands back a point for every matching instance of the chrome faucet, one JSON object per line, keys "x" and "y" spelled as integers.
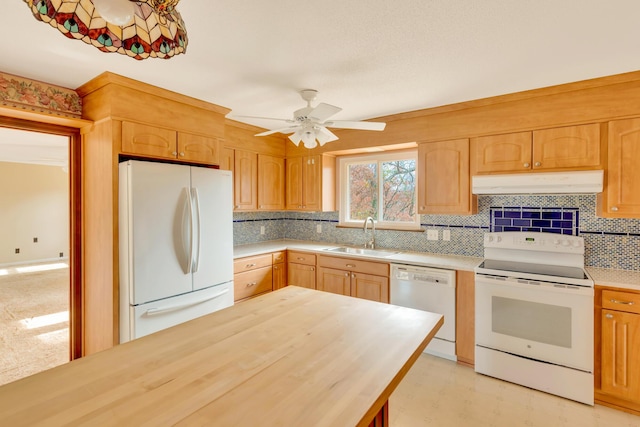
{"x": 372, "y": 243}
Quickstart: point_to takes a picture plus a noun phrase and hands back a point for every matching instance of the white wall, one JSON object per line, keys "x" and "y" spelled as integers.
{"x": 34, "y": 202}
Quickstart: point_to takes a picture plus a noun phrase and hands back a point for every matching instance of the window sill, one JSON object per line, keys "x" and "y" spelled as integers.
{"x": 415, "y": 229}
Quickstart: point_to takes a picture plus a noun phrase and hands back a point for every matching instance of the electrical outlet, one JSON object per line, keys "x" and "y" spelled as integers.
{"x": 446, "y": 235}
{"x": 319, "y": 228}
{"x": 61, "y": 254}
{"x": 35, "y": 240}
{"x": 432, "y": 234}
{"x": 262, "y": 229}
{"x": 17, "y": 250}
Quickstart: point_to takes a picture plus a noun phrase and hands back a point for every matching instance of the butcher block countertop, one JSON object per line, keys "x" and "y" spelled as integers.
{"x": 293, "y": 357}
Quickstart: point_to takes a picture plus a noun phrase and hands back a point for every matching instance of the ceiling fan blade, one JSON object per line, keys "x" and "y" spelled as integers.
{"x": 296, "y": 137}
{"x": 323, "y": 111}
{"x": 324, "y": 135}
{"x": 288, "y": 129}
{"x": 261, "y": 118}
{"x": 344, "y": 124}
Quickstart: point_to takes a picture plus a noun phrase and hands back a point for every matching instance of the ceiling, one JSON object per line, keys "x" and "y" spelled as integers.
{"x": 370, "y": 57}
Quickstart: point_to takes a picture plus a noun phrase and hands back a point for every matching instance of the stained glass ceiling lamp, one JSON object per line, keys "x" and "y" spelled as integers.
{"x": 139, "y": 29}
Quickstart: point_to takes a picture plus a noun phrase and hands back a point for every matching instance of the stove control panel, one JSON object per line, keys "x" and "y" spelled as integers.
{"x": 533, "y": 241}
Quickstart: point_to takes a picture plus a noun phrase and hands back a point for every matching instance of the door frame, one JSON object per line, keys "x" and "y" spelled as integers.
{"x": 75, "y": 220}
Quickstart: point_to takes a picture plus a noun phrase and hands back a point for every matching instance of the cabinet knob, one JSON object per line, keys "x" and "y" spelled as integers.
{"x": 251, "y": 284}
{"x": 537, "y": 164}
{"x": 353, "y": 276}
{"x": 526, "y": 165}
{"x": 260, "y": 206}
{"x": 608, "y": 316}
{"x": 236, "y": 207}
{"x": 346, "y": 274}
{"x": 275, "y": 267}
{"x": 313, "y": 269}
{"x": 182, "y": 153}
{"x": 175, "y": 153}
{"x": 614, "y": 209}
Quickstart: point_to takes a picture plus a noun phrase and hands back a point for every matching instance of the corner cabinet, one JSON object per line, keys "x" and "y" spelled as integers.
{"x": 310, "y": 183}
{"x": 621, "y": 195}
{"x": 301, "y": 269}
{"x": 565, "y": 148}
{"x": 444, "y": 182}
{"x": 617, "y": 348}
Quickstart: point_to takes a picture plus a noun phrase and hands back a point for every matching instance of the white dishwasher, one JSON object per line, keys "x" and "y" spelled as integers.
{"x": 428, "y": 289}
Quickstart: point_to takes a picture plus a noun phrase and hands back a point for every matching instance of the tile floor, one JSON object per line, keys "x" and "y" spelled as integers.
{"x": 439, "y": 392}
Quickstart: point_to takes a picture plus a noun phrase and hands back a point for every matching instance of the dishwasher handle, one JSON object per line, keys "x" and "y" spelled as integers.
{"x": 427, "y": 276}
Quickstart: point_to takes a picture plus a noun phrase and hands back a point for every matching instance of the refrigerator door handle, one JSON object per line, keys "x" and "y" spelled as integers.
{"x": 190, "y": 245}
{"x": 196, "y": 234}
{"x": 160, "y": 310}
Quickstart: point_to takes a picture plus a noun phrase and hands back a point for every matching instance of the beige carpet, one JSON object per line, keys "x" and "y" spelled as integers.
{"x": 34, "y": 325}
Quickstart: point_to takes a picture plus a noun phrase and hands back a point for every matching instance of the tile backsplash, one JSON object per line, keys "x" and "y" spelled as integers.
{"x": 609, "y": 243}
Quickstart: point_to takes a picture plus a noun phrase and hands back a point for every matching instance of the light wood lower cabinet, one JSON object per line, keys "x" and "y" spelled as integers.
{"x": 354, "y": 277}
{"x": 258, "y": 274}
{"x": 465, "y": 317}
{"x": 617, "y": 355}
{"x": 301, "y": 269}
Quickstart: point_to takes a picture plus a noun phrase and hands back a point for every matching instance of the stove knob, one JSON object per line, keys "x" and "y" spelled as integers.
{"x": 489, "y": 238}
{"x": 576, "y": 243}
{"x": 498, "y": 239}
{"x": 556, "y": 241}
{"x": 566, "y": 243}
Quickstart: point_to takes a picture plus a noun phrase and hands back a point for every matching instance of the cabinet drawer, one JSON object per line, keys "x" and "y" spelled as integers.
{"x": 252, "y": 282}
{"x": 621, "y": 301}
{"x": 356, "y": 265}
{"x": 251, "y": 263}
{"x": 302, "y": 258}
{"x": 278, "y": 257}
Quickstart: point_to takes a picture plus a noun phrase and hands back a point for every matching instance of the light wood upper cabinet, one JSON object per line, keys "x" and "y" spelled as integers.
{"x": 621, "y": 195}
{"x": 245, "y": 180}
{"x": 154, "y": 142}
{"x": 270, "y": 182}
{"x": 198, "y": 148}
{"x": 310, "y": 183}
{"x": 227, "y": 159}
{"x": 444, "y": 184}
{"x": 502, "y": 153}
{"x": 149, "y": 141}
{"x": 565, "y": 148}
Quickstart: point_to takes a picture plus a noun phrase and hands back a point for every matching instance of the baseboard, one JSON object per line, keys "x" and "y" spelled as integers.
{"x": 34, "y": 261}
{"x": 616, "y": 403}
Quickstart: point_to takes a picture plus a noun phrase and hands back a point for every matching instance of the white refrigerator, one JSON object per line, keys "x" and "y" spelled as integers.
{"x": 176, "y": 245}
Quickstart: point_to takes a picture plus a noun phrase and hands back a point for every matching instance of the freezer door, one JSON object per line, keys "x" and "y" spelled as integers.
{"x": 155, "y": 230}
{"x": 152, "y": 317}
{"x": 212, "y": 193}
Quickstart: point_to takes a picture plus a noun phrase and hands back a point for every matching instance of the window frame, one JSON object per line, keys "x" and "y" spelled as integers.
{"x": 343, "y": 163}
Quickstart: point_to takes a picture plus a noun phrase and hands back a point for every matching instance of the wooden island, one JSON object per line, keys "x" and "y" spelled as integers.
{"x": 294, "y": 357}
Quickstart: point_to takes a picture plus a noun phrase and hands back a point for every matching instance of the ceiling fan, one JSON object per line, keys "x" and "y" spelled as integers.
{"x": 309, "y": 124}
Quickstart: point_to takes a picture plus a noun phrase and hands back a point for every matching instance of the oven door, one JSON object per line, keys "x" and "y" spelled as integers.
{"x": 538, "y": 320}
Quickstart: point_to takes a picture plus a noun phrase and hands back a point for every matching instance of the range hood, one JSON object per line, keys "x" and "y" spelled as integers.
{"x": 539, "y": 183}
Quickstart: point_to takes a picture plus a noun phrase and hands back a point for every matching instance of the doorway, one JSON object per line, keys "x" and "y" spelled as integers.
{"x": 39, "y": 254}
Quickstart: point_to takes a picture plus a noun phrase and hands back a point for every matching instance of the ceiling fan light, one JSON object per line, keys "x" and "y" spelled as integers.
{"x": 309, "y": 139}
{"x": 296, "y": 137}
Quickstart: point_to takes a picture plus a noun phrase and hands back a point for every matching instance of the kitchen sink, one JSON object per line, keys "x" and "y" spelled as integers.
{"x": 361, "y": 251}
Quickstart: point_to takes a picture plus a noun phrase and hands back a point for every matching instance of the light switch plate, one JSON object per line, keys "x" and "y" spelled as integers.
{"x": 262, "y": 229}
{"x": 432, "y": 234}
{"x": 446, "y": 235}
{"x": 319, "y": 228}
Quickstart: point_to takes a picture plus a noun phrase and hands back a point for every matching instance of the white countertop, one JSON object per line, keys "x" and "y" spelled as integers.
{"x": 451, "y": 262}
{"x": 626, "y": 279}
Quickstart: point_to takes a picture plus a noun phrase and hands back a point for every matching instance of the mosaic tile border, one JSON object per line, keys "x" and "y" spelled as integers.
{"x": 560, "y": 220}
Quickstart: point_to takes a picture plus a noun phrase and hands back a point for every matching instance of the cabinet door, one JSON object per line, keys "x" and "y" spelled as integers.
{"x": 293, "y": 187}
{"x": 501, "y": 153}
{"x": 279, "y": 276}
{"x": 620, "y": 371}
{"x": 245, "y": 178}
{"x": 368, "y": 286}
{"x": 569, "y": 147}
{"x": 332, "y": 280}
{"x": 148, "y": 141}
{"x": 465, "y": 317}
{"x": 443, "y": 178}
{"x": 312, "y": 183}
{"x": 226, "y": 158}
{"x": 621, "y": 197}
{"x": 270, "y": 182}
{"x": 301, "y": 275}
{"x": 198, "y": 148}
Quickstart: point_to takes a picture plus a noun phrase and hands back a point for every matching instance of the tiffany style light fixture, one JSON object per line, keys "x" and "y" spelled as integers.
{"x": 148, "y": 28}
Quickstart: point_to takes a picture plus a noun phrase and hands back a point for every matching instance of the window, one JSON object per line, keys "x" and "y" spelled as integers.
{"x": 382, "y": 186}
